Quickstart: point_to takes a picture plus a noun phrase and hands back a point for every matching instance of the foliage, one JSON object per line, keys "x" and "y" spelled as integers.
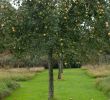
{"x": 7, "y": 19}
{"x": 77, "y": 26}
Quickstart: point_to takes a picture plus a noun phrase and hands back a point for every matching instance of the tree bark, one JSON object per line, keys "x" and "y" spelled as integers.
{"x": 51, "y": 79}
{"x": 61, "y": 63}
{"x": 60, "y": 70}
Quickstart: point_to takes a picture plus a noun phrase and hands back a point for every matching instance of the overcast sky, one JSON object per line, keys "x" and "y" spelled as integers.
{"x": 15, "y": 4}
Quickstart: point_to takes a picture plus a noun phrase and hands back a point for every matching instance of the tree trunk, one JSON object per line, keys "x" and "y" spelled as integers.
{"x": 61, "y": 62}
{"x": 51, "y": 79}
{"x": 60, "y": 70}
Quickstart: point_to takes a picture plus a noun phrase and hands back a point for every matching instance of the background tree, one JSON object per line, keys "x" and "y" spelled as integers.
{"x": 7, "y": 23}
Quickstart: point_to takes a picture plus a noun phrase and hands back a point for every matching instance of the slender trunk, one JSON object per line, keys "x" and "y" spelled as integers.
{"x": 51, "y": 83}
{"x": 61, "y": 63}
{"x": 60, "y": 70}
{"x": 62, "y": 66}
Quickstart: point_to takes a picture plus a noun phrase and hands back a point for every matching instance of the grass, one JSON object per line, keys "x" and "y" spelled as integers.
{"x": 18, "y": 73}
{"x": 7, "y": 87}
{"x": 9, "y": 79}
{"x": 98, "y": 71}
{"x": 103, "y": 84}
{"x": 102, "y": 75}
{"x": 75, "y": 85}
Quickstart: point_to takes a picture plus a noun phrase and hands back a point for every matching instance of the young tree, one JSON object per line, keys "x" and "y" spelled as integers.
{"x": 38, "y": 31}
{"x": 47, "y": 26}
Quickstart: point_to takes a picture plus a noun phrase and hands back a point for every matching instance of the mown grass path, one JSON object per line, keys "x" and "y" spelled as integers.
{"x": 75, "y": 85}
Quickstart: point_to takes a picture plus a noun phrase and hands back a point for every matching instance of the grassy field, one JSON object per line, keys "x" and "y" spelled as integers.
{"x": 75, "y": 85}
{"x": 102, "y": 75}
{"x": 10, "y": 78}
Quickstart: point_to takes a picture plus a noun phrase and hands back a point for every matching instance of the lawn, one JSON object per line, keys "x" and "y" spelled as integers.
{"x": 75, "y": 85}
{"x": 10, "y": 78}
{"x": 102, "y": 75}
